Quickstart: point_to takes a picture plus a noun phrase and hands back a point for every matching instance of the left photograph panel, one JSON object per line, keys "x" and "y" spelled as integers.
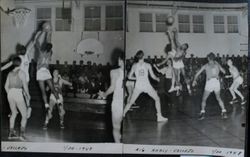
{"x": 61, "y": 62}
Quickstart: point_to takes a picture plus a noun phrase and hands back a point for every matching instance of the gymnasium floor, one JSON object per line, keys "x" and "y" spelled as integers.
{"x": 183, "y": 127}
{"x": 84, "y": 127}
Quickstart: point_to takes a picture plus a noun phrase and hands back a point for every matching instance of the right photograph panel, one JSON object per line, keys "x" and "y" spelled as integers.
{"x": 186, "y": 69}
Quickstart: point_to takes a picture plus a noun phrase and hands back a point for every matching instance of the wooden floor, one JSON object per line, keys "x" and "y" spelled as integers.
{"x": 84, "y": 127}
{"x": 183, "y": 127}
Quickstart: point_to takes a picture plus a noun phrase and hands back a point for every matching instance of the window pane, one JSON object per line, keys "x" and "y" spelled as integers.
{"x": 161, "y": 27}
{"x": 92, "y": 12}
{"x": 43, "y": 13}
{"x": 183, "y": 19}
{"x": 232, "y": 22}
{"x": 114, "y": 24}
{"x": 114, "y": 11}
{"x": 63, "y": 13}
{"x": 233, "y": 29}
{"x": 198, "y": 24}
{"x": 219, "y": 29}
{"x": 218, "y": 19}
{"x": 146, "y": 27}
{"x": 59, "y": 25}
{"x": 92, "y": 24}
{"x": 184, "y": 28}
{"x": 184, "y": 23}
{"x": 161, "y": 17}
{"x": 198, "y": 28}
{"x": 146, "y": 17}
{"x": 198, "y": 19}
{"x": 114, "y": 18}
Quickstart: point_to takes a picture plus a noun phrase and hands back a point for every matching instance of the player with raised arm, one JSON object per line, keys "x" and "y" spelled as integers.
{"x": 212, "y": 69}
{"x": 142, "y": 70}
{"x": 177, "y": 54}
{"x": 43, "y": 74}
{"x": 25, "y": 54}
{"x": 16, "y": 87}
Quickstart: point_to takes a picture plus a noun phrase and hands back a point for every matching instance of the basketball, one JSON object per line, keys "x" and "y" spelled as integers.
{"x": 170, "y": 20}
{"x": 46, "y": 27}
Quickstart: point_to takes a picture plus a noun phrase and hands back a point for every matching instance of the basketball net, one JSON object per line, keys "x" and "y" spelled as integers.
{"x": 20, "y": 16}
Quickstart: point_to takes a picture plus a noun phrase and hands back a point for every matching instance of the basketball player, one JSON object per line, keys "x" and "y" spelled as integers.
{"x": 43, "y": 74}
{"x": 16, "y": 87}
{"x": 177, "y": 55}
{"x": 116, "y": 87}
{"x": 58, "y": 83}
{"x": 25, "y": 55}
{"x": 237, "y": 81}
{"x": 212, "y": 69}
{"x": 141, "y": 70}
{"x": 168, "y": 72}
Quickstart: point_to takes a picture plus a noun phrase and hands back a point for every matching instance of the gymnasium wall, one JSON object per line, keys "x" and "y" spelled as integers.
{"x": 65, "y": 43}
{"x": 200, "y": 44}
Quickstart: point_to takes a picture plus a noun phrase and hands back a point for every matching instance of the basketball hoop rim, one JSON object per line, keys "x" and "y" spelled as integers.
{"x": 27, "y": 10}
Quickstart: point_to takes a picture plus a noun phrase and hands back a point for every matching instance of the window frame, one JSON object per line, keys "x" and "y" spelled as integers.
{"x": 224, "y": 24}
{"x": 84, "y": 17}
{"x": 71, "y": 20}
{"x": 114, "y": 18}
{"x": 45, "y": 19}
{"x": 152, "y": 22}
{"x": 189, "y": 24}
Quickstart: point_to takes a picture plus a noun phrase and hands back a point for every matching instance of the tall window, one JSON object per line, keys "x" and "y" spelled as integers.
{"x": 146, "y": 22}
{"x": 198, "y": 24}
{"x": 161, "y": 22}
{"x": 114, "y": 18}
{"x": 232, "y": 24}
{"x": 92, "y": 18}
{"x": 43, "y": 14}
{"x": 219, "y": 24}
{"x": 63, "y": 19}
{"x": 184, "y": 23}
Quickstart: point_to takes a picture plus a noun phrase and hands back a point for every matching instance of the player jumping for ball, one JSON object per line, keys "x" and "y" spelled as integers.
{"x": 212, "y": 69}
{"x": 43, "y": 74}
{"x": 142, "y": 70}
{"x": 177, "y": 54}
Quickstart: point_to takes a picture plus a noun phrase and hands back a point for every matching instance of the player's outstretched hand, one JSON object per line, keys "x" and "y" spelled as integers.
{"x": 194, "y": 83}
{"x": 101, "y": 94}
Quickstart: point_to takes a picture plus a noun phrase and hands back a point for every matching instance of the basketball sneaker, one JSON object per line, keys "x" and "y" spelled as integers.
{"x": 224, "y": 115}
{"x": 12, "y": 135}
{"x": 160, "y": 118}
{"x": 45, "y": 126}
{"x": 22, "y": 136}
{"x": 201, "y": 116}
{"x": 61, "y": 125}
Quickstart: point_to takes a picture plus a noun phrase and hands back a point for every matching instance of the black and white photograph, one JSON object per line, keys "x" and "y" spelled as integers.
{"x": 132, "y": 77}
{"x": 61, "y": 62}
{"x": 186, "y": 74}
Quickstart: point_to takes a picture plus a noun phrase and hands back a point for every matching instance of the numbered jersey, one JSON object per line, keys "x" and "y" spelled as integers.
{"x": 141, "y": 73}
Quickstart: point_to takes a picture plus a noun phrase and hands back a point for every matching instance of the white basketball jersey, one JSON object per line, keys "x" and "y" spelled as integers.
{"x": 25, "y": 65}
{"x": 118, "y": 92}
